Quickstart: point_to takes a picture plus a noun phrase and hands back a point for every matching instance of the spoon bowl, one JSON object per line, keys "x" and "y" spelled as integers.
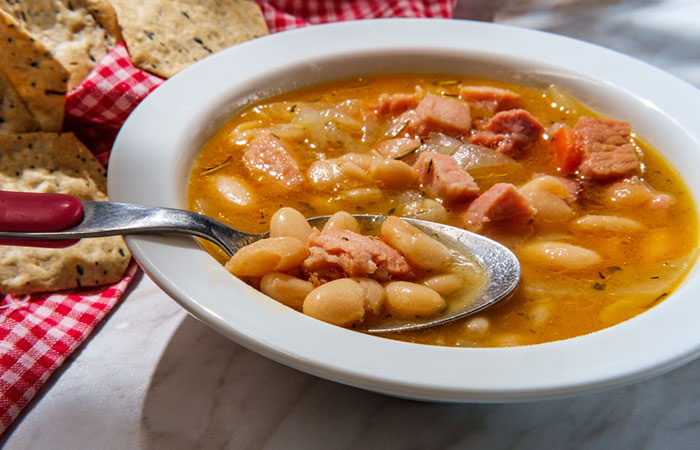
{"x": 94, "y": 219}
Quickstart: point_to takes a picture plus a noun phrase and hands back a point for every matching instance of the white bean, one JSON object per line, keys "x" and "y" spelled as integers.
{"x": 374, "y": 295}
{"x": 361, "y": 195}
{"x": 613, "y": 224}
{"x": 363, "y": 160}
{"x": 477, "y": 325}
{"x": 278, "y": 254}
{"x": 419, "y": 248}
{"x": 353, "y": 172}
{"x": 393, "y": 174}
{"x": 286, "y": 289}
{"x": 340, "y": 302}
{"x": 405, "y": 299}
{"x": 288, "y": 222}
{"x": 444, "y": 284}
{"x": 425, "y": 209}
{"x": 559, "y": 255}
{"x": 234, "y": 190}
{"x": 342, "y": 221}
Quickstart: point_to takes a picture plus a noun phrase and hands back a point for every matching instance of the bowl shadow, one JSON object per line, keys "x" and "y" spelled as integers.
{"x": 209, "y": 392}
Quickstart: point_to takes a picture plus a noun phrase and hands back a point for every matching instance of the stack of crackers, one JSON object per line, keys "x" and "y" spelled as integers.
{"x": 47, "y": 47}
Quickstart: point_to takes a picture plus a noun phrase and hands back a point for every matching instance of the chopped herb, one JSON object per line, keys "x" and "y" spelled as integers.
{"x": 430, "y": 166}
{"x": 602, "y": 277}
{"x": 406, "y": 153}
{"x": 598, "y": 286}
{"x": 209, "y": 170}
{"x": 292, "y": 108}
{"x": 445, "y": 94}
{"x": 656, "y": 277}
{"x": 80, "y": 270}
{"x": 391, "y": 211}
{"x": 185, "y": 14}
{"x": 149, "y": 34}
{"x": 613, "y": 269}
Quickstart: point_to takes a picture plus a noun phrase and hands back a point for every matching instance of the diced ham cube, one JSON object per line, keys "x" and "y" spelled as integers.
{"x": 502, "y": 205}
{"x": 269, "y": 158}
{"x": 490, "y": 99}
{"x": 391, "y": 148}
{"x": 607, "y": 152}
{"x": 435, "y": 113}
{"x": 509, "y": 132}
{"x": 395, "y": 103}
{"x": 444, "y": 178}
{"x": 337, "y": 253}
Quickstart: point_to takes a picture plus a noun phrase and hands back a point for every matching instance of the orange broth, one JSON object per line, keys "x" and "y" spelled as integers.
{"x": 638, "y": 270}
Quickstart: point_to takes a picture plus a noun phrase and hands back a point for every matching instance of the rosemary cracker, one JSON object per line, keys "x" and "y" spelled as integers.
{"x": 56, "y": 163}
{"x": 78, "y": 33}
{"x": 166, "y": 36}
{"x": 14, "y": 116}
{"x": 39, "y": 79}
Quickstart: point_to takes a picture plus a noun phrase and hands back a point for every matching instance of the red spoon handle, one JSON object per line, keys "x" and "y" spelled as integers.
{"x": 35, "y": 212}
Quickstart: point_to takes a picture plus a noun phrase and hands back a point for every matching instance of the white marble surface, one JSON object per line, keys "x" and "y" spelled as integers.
{"x": 153, "y": 377}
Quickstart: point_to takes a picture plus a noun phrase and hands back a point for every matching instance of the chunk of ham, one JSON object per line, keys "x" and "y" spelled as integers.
{"x": 444, "y": 178}
{"x": 337, "y": 253}
{"x": 509, "y": 132}
{"x": 395, "y": 103}
{"x": 606, "y": 150}
{"x": 488, "y": 98}
{"x": 435, "y": 113}
{"x": 502, "y": 205}
{"x": 269, "y": 159}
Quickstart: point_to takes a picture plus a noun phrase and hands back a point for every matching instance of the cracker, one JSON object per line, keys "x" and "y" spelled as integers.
{"x": 39, "y": 79}
{"x": 166, "y": 36}
{"x": 78, "y": 33}
{"x": 56, "y": 163}
{"x": 14, "y": 116}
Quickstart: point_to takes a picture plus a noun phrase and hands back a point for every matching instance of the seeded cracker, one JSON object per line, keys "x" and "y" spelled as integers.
{"x": 37, "y": 77}
{"x": 165, "y": 36}
{"x": 14, "y": 116}
{"x": 56, "y": 163}
{"x": 78, "y": 33}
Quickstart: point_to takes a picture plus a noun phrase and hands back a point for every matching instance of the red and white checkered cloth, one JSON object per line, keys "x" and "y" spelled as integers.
{"x": 38, "y": 332}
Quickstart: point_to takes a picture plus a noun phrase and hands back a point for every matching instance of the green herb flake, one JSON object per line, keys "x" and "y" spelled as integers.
{"x": 598, "y": 286}
{"x": 209, "y": 170}
{"x": 406, "y": 154}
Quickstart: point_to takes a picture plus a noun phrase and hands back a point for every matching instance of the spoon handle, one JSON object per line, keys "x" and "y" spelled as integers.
{"x": 32, "y": 219}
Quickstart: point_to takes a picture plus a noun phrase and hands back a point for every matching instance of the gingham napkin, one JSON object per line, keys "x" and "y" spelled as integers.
{"x": 38, "y": 332}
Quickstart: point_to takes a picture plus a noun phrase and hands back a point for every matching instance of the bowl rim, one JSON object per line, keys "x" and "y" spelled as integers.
{"x": 189, "y": 106}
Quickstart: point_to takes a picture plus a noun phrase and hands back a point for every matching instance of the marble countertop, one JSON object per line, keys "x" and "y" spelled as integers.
{"x": 151, "y": 376}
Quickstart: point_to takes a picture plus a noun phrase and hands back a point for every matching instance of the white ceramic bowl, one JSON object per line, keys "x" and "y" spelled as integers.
{"x": 153, "y": 154}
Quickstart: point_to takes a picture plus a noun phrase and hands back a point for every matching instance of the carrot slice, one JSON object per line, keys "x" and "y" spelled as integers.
{"x": 568, "y": 153}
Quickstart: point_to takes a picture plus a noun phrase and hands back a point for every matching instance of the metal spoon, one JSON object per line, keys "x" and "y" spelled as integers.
{"x": 58, "y": 220}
